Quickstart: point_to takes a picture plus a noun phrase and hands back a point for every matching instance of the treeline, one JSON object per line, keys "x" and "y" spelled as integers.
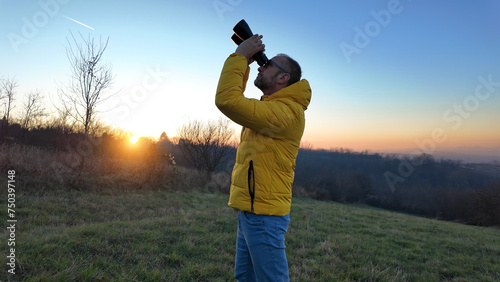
{"x": 61, "y": 156}
{"x": 420, "y": 185}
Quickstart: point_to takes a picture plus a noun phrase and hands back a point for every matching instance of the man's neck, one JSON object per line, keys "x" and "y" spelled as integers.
{"x": 270, "y": 92}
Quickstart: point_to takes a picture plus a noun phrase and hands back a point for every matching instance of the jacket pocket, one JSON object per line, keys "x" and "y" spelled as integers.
{"x": 251, "y": 184}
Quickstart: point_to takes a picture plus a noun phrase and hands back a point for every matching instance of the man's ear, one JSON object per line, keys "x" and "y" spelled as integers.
{"x": 284, "y": 78}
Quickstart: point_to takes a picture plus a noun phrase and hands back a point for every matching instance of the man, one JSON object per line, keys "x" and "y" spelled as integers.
{"x": 261, "y": 184}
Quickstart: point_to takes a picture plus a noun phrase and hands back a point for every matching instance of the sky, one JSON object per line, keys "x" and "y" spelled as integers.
{"x": 386, "y": 76}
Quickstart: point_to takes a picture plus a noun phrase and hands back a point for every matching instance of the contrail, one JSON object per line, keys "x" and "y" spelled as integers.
{"x": 78, "y": 22}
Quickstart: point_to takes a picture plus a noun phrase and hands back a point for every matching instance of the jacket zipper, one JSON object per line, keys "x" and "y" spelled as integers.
{"x": 251, "y": 184}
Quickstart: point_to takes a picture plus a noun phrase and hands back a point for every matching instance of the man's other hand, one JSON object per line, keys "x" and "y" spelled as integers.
{"x": 249, "y": 47}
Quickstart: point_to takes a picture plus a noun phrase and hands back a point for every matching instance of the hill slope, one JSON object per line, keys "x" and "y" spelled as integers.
{"x": 151, "y": 235}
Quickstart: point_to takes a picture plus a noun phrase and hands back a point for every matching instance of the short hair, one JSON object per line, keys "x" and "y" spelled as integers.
{"x": 292, "y": 68}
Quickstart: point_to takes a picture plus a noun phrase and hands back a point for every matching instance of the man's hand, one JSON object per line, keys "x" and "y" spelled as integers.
{"x": 249, "y": 47}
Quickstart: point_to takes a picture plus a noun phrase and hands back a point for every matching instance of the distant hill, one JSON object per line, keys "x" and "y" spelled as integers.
{"x": 473, "y": 154}
{"x": 421, "y": 185}
{"x": 484, "y": 168}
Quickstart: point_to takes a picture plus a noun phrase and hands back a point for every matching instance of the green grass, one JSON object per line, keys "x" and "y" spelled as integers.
{"x": 190, "y": 236}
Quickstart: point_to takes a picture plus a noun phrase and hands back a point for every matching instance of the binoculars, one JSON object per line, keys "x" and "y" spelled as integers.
{"x": 241, "y": 33}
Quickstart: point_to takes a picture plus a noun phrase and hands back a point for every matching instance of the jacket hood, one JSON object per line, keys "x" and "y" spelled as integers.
{"x": 300, "y": 92}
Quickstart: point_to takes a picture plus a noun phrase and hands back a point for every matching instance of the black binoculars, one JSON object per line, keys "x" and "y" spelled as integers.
{"x": 241, "y": 33}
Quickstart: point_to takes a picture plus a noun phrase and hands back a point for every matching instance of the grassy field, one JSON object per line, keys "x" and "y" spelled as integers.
{"x": 190, "y": 236}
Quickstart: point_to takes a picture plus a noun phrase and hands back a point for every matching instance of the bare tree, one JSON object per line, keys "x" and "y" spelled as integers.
{"x": 204, "y": 145}
{"x": 90, "y": 80}
{"x": 7, "y": 91}
{"x": 32, "y": 109}
{"x": 62, "y": 120}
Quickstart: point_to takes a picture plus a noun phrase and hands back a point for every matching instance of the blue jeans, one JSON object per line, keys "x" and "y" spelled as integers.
{"x": 260, "y": 248}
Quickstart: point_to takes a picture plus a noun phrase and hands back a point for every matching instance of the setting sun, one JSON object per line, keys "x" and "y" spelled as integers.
{"x": 134, "y": 139}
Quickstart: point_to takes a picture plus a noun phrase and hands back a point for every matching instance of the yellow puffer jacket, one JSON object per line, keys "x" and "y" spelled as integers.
{"x": 272, "y": 128}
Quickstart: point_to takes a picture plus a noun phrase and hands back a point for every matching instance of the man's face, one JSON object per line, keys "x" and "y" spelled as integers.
{"x": 268, "y": 73}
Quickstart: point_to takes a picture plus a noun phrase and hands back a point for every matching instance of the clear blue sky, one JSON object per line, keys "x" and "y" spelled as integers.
{"x": 386, "y": 75}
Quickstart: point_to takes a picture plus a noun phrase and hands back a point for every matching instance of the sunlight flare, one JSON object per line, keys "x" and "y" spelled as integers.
{"x": 134, "y": 139}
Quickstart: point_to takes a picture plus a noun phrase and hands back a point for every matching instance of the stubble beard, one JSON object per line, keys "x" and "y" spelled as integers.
{"x": 263, "y": 84}
{"x": 259, "y": 82}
